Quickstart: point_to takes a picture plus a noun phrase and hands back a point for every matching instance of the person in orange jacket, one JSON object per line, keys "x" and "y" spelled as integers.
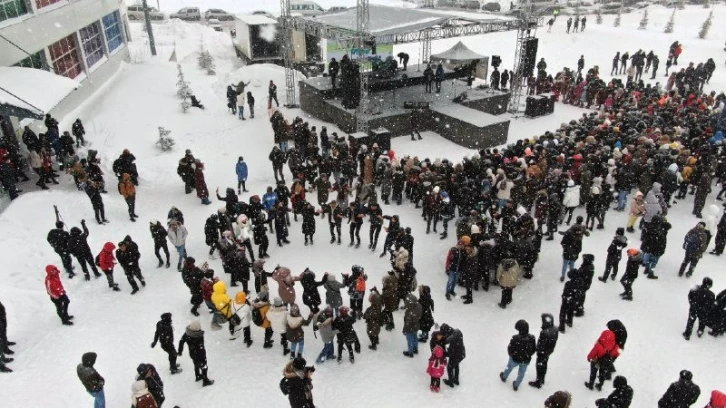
{"x": 127, "y": 189}
{"x": 106, "y": 261}
{"x": 57, "y": 293}
{"x": 601, "y": 358}
{"x": 262, "y": 303}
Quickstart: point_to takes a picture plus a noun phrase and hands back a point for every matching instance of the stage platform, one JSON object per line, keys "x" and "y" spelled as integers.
{"x": 473, "y": 123}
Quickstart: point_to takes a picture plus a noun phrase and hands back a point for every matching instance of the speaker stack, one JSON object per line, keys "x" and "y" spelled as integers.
{"x": 529, "y": 52}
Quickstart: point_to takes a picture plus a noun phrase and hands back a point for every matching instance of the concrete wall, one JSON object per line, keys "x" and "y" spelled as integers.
{"x": 49, "y": 24}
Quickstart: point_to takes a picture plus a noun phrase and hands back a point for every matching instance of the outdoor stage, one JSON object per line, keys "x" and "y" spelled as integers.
{"x": 473, "y": 123}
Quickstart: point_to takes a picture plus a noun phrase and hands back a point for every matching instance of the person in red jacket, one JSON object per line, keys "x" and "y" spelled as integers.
{"x": 718, "y": 400}
{"x": 601, "y": 358}
{"x": 106, "y": 262}
{"x": 57, "y": 293}
{"x": 207, "y": 288}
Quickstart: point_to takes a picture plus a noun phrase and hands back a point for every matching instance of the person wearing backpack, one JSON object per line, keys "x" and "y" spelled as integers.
{"x": 277, "y": 315}
{"x": 356, "y": 283}
{"x": 165, "y": 335}
{"x": 260, "y": 308}
{"x": 106, "y": 261}
{"x": 601, "y": 358}
{"x": 324, "y": 325}
{"x": 141, "y": 398}
{"x": 294, "y": 330}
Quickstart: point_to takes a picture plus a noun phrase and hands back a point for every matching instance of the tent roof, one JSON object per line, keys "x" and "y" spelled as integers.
{"x": 29, "y": 92}
{"x": 394, "y": 20}
{"x": 458, "y": 52}
{"x": 255, "y": 19}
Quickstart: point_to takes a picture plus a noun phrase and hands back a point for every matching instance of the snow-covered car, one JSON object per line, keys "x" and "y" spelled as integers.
{"x": 215, "y": 24}
{"x": 640, "y": 4}
{"x": 263, "y": 13}
{"x": 492, "y": 6}
{"x": 188, "y": 14}
{"x": 137, "y": 13}
{"x": 337, "y": 9}
{"x": 218, "y": 14}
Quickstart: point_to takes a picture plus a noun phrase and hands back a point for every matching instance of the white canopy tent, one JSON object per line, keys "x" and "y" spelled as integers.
{"x": 31, "y": 93}
{"x": 458, "y": 54}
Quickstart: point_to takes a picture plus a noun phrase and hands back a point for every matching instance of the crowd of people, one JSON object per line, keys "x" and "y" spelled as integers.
{"x": 641, "y": 151}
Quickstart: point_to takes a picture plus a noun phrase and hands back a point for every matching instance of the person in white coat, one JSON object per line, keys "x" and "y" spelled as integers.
{"x": 711, "y": 219}
{"x": 277, "y": 315}
{"x": 504, "y": 191}
{"x": 177, "y": 235}
{"x": 243, "y": 232}
{"x": 570, "y": 201}
{"x": 140, "y": 395}
{"x": 243, "y": 313}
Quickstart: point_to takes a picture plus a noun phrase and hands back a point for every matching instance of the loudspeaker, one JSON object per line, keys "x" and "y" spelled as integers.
{"x": 496, "y": 61}
{"x": 529, "y": 56}
{"x": 531, "y": 106}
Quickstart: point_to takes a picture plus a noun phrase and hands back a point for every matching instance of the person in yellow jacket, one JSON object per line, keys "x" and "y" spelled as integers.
{"x": 223, "y": 303}
{"x": 127, "y": 189}
{"x": 686, "y": 173}
{"x": 262, "y": 303}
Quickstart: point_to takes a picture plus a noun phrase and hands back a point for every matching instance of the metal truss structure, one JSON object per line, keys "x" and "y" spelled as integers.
{"x": 526, "y": 30}
{"x": 287, "y": 22}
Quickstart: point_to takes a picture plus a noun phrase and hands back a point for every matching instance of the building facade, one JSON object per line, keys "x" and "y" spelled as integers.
{"x": 81, "y": 39}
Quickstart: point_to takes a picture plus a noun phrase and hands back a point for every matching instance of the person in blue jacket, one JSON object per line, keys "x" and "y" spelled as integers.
{"x": 241, "y": 170}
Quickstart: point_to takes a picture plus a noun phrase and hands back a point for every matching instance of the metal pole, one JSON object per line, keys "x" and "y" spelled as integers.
{"x": 152, "y": 43}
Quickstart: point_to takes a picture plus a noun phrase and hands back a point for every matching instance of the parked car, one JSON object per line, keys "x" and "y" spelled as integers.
{"x": 264, "y": 13}
{"x": 218, "y": 14}
{"x": 215, "y": 24}
{"x": 306, "y": 8}
{"x": 337, "y": 9}
{"x": 137, "y": 13}
{"x": 188, "y": 14}
{"x": 491, "y": 7}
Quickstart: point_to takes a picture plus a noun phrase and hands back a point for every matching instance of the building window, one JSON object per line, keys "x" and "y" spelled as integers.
{"x": 112, "y": 28}
{"x": 12, "y": 9}
{"x": 92, "y": 42}
{"x": 33, "y": 61}
{"x": 64, "y": 55}
{"x": 43, "y": 3}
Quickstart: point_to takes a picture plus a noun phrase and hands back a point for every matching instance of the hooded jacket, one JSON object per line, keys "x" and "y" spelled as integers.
{"x": 508, "y": 273}
{"x": 78, "y": 244}
{"x": 455, "y": 349}
{"x": 221, "y": 300}
{"x": 178, "y": 237}
{"x": 653, "y": 203}
{"x": 522, "y": 345}
{"x": 53, "y": 284}
{"x": 547, "y": 336}
{"x": 332, "y": 292}
{"x": 605, "y": 347}
{"x": 277, "y": 315}
{"x": 140, "y": 396}
{"x": 412, "y": 316}
{"x": 90, "y": 378}
{"x": 106, "y": 260}
{"x": 194, "y": 337}
{"x": 164, "y": 332}
{"x": 374, "y": 314}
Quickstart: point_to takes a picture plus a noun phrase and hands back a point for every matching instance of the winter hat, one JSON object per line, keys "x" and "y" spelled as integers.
{"x": 522, "y": 327}
{"x": 195, "y": 326}
{"x": 707, "y": 283}
{"x": 475, "y": 229}
{"x": 438, "y": 352}
{"x": 436, "y": 190}
{"x": 620, "y": 382}
{"x": 142, "y": 369}
{"x": 620, "y": 231}
{"x": 299, "y": 363}
{"x": 464, "y": 241}
{"x": 570, "y": 183}
{"x": 686, "y": 375}
{"x": 263, "y": 296}
{"x": 547, "y": 320}
{"x": 277, "y": 302}
{"x": 718, "y": 399}
{"x": 166, "y": 317}
{"x": 521, "y": 210}
{"x": 51, "y": 269}
{"x": 59, "y": 224}
{"x": 588, "y": 258}
{"x": 240, "y": 298}
{"x": 633, "y": 251}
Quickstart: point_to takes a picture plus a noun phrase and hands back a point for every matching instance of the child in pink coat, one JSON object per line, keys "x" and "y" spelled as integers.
{"x": 436, "y": 368}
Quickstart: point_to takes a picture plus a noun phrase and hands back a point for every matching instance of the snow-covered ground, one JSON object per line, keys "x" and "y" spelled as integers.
{"x": 120, "y": 327}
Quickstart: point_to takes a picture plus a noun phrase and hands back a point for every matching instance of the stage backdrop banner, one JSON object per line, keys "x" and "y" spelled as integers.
{"x": 334, "y": 50}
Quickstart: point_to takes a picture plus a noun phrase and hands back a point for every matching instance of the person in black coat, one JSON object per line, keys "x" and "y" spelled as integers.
{"x": 311, "y": 296}
{"x": 239, "y": 268}
{"x": 584, "y": 277}
{"x": 194, "y": 336}
{"x": 346, "y": 333}
{"x": 159, "y": 234}
{"x": 94, "y": 194}
{"x": 545, "y": 346}
{"x": 211, "y": 233}
{"x": 79, "y": 131}
{"x": 427, "y": 312}
{"x": 621, "y": 397}
{"x": 333, "y": 69}
{"x": 701, "y": 301}
{"x": 682, "y": 393}
{"x": 149, "y": 375}
{"x": 125, "y": 164}
{"x": 192, "y": 277}
{"x": 128, "y": 257}
{"x": 59, "y": 239}
{"x": 521, "y": 348}
{"x": 615, "y": 254}
{"x": 165, "y": 336}
{"x": 455, "y": 351}
{"x": 259, "y": 233}
{"x": 375, "y": 216}
{"x": 569, "y": 295}
{"x": 655, "y": 240}
{"x": 4, "y": 343}
{"x": 635, "y": 259}
{"x": 308, "y": 222}
{"x": 78, "y": 247}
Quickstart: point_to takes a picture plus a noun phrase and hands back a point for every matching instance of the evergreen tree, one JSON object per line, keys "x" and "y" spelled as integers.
{"x": 706, "y": 26}
{"x": 598, "y": 16}
{"x": 165, "y": 142}
{"x": 617, "y": 19}
{"x": 183, "y": 90}
{"x": 205, "y": 59}
{"x": 671, "y": 22}
{"x": 644, "y": 21}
